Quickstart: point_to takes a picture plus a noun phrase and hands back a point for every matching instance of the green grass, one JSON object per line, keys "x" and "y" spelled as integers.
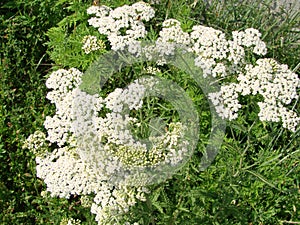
{"x": 255, "y": 177}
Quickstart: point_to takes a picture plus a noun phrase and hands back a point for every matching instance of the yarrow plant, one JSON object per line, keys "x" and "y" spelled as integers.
{"x": 90, "y": 136}
{"x": 122, "y": 25}
{"x": 70, "y": 170}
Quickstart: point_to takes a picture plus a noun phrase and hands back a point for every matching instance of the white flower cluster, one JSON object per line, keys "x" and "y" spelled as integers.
{"x": 64, "y": 173}
{"x": 37, "y": 143}
{"x": 111, "y": 203}
{"x": 278, "y": 87}
{"x": 93, "y": 149}
{"x": 250, "y": 37}
{"x": 170, "y": 37}
{"x": 90, "y": 44}
{"x": 120, "y": 144}
{"x": 172, "y": 32}
{"x": 226, "y": 101}
{"x": 218, "y": 56}
{"x": 172, "y": 140}
{"x": 62, "y": 82}
{"x": 123, "y": 25}
{"x": 273, "y": 81}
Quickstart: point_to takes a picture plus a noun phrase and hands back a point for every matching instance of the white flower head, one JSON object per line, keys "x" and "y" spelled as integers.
{"x": 122, "y": 25}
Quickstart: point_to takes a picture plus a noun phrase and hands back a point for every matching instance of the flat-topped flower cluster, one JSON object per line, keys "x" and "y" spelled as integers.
{"x": 217, "y": 56}
{"x": 122, "y": 25}
{"x": 90, "y": 149}
{"x": 93, "y": 149}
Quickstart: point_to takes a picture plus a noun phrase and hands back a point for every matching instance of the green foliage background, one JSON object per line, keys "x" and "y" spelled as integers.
{"x": 255, "y": 178}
